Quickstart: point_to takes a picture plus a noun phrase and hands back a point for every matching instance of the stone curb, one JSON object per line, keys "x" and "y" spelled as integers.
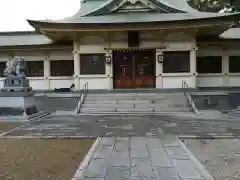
{"x": 200, "y": 166}
{"x": 208, "y": 137}
{"x": 2, "y": 136}
{"x": 87, "y": 159}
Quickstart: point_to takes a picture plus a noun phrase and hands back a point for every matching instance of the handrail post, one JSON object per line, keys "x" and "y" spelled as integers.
{"x": 189, "y": 97}
{"x": 82, "y": 96}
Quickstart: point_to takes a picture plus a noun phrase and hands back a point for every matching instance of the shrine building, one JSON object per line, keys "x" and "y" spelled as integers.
{"x": 129, "y": 44}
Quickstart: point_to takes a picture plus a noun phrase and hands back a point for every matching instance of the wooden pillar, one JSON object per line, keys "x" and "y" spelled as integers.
{"x": 76, "y": 59}
{"x": 109, "y": 69}
{"x": 193, "y": 66}
{"x": 47, "y": 70}
{"x": 159, "y": 69}
{"x": 225, "y": 70}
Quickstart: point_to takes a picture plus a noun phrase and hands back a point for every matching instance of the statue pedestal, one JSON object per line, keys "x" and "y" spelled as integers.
{"x": 18, "y": 107}
{"x": 17, "y": 103}
{"x": 16, "y": 84}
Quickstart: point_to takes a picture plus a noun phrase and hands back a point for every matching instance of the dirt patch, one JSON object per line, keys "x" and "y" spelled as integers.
{"x": 35, "y": 159}
{"x": 220, "y": 157}
{"x": 7, "y": 127}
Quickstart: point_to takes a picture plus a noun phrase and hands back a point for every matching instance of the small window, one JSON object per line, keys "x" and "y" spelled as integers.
{"x": 62, "y": 68}
{"x": 2, "y": 68}
{"x": 209, "y": 64}
{"x": 34, "y": 69}
{"x": 176, "y": 62}
{"x": 234, "y": 64}
{"x": 92, "y": 64}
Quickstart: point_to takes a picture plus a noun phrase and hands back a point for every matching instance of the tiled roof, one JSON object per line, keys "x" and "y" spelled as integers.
{"x": 25, "y": 38}
{"x": 233, "y": 33}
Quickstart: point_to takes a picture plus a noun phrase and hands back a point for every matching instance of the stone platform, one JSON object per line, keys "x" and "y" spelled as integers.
{"x": 140, "y": 158}
{"x": 18, "y": 107}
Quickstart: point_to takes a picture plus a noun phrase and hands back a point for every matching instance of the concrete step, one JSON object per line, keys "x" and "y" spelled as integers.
{"x": 134, "y": 101}
{"x": 172, "y": 110}
{"x": 134, "y": 110}
{"x": 109, "y": 97}
{"x": 96, "y": 110}
{"x": 107, "y": 105}
{"x": 161, "y": 105}
{"x": 88, "y": 101}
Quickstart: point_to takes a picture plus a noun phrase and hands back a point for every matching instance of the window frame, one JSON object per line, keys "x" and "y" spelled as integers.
{"x": 175, "y": 54}
{"x": 89, "y": 57}
{"x": 53, "y": 73}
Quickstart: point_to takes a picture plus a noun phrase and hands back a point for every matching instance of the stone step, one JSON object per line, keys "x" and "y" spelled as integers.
{"x": 134, "y": 110}
{"x": 107, "y": 105}
{"x": 96, "y": 110}
{"x": 172, "y": 109}
{"x": 87, "y": 101}
{"x": 161, "y": 105}
{"x": 134, "y": 101}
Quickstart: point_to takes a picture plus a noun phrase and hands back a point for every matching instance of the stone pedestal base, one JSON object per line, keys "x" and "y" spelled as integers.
{"x": 17, "y": 105}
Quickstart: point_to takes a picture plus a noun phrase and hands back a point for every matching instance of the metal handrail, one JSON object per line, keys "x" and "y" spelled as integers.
{"x": 81, "y": 98}
{"x": 188, "y": 94}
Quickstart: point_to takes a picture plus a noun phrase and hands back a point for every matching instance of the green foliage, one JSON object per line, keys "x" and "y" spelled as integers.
{"x": 216, "y": 5}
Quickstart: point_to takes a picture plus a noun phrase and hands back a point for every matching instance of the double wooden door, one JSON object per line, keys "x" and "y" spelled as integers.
{"x": 134, "y": 69}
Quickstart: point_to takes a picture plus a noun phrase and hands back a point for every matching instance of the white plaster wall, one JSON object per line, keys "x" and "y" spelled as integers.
{"x": 37, "y": 83}
{"x": 234, "y": 80}
{"x": 96, "y": 82}
{"x": 1, "y": 82}
{"x": 60, "y": 82}
{"x": 175, "y": 80}
{"x": 61, "y": 55}
{"x": 210, "y": 80}
{"x": 31, "y": 56}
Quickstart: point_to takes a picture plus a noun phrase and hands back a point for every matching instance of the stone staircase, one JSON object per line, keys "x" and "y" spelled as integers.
{"x": 139, "y": 103}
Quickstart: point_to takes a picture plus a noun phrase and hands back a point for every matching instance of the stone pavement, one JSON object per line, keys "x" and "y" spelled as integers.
{"x": 140, "y": 158}
{"x": 73, "y": 126}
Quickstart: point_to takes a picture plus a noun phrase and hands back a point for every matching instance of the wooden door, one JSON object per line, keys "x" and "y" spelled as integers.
{"x": 134, "y": 69}
{"x": 123, "y": 70}
{"x": 145, "y": 69}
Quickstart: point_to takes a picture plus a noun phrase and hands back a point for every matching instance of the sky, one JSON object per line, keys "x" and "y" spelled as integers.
{"x": 13, "y": 13}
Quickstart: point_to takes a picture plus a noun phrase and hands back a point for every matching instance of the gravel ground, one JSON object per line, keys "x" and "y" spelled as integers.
{"x": 7, "y": 127}
{"x": 36, "y": 159}
{"x": 221, "y": 157}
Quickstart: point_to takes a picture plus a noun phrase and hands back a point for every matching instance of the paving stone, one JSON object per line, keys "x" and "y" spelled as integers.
{"x": 143, "y": 178}
{"x": 186, "y": 169}
{"x": 118, "y": 173}
{"x": 103, "y": 151}
{"x": 165, "y": 173}
{"x": 120, "y": 159}
{"x": 160, "y": 158}
{"x": 97, "y": 168}
{"x": 176, "y": 152}
{"x": 139, "y": 152}
{"x": 122, "y": 145}
{"x": 142, "y": 168}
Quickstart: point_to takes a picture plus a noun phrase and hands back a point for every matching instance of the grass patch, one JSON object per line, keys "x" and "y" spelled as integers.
{"x": 22, "y": 159}
{"x": 6, "y": 127}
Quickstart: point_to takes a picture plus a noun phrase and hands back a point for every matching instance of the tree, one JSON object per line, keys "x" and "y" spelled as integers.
{"x": 216, "y": 5}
